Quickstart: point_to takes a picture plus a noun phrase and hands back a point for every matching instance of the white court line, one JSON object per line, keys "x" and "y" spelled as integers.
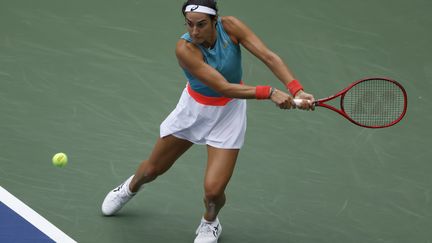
{"x": 34, "y": 218}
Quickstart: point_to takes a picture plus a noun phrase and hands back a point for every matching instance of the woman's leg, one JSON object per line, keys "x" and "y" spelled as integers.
{"x": 165, "y": 152}
{"x": 220, "y": 167}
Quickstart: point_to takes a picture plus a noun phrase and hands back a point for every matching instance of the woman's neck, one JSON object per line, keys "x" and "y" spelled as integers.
{"x": 210, "y": 43}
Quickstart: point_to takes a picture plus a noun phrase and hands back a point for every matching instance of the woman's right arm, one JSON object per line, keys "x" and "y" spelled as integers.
{"x": 190, "y": 57}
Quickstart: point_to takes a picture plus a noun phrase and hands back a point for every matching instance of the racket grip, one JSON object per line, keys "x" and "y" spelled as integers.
{"x": 298, "y": 102}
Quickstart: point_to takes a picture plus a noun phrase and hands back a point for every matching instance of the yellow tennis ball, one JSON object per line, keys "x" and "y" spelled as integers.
{"x": 60, "y": 159}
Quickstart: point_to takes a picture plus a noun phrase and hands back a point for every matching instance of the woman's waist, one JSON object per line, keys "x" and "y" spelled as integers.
{"x": 207, "y": 96}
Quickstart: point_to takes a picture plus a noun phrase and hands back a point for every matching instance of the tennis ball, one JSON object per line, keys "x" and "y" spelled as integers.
{"x": 60, "y": 159}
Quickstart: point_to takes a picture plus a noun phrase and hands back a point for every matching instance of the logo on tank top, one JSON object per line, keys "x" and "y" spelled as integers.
{"x": 225, "y": 44}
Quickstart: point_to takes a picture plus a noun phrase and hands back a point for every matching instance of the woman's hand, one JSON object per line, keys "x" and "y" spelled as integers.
{"x": 282, "y": 99}
{"x": 308, "y": 103}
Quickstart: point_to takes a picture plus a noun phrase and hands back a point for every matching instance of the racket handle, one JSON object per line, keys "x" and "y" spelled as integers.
{"x": 298, "y": 102}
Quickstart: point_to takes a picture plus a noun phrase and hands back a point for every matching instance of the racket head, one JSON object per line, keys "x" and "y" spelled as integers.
{"x": 374, "y": 102}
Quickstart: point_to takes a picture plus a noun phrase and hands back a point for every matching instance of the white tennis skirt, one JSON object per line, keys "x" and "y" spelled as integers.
{"x": 217, "y": 126}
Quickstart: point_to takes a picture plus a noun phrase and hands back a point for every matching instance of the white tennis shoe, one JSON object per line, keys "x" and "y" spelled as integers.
{"x": 117, "y": 198}
{"x": 208, "y": 232}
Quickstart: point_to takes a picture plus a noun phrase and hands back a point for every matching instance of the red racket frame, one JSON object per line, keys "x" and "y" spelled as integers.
{"x": 321, "y": 102}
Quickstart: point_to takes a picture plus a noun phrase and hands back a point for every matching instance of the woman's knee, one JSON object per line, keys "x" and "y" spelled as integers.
{"x": 213, "y": 191}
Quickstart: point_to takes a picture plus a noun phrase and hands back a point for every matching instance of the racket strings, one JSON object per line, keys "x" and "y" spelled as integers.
{"x": 374, "y": 103}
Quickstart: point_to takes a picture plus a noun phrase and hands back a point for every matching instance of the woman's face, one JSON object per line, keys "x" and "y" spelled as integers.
{"x": 201, "y": 28}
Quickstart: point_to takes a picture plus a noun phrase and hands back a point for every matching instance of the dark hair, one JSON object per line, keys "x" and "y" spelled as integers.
{"x": 208, "y": 3}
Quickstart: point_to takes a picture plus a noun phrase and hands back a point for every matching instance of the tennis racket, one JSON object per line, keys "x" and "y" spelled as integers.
{"x": 370, "y": 103}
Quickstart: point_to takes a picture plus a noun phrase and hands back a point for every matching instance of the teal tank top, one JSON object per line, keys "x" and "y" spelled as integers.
{"x": 225, "y": 57}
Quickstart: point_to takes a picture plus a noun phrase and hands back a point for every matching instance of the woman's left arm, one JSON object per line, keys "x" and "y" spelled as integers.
{"x": 242, "y": 34}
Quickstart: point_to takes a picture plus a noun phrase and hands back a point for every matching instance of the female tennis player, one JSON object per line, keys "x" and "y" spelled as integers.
{"x": 212, "y": 108}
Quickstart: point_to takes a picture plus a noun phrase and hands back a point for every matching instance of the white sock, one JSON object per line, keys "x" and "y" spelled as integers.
{"x": 129, "y": 192}
{"x": 126, "y": 185}
{"x": 209, "y": 222}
